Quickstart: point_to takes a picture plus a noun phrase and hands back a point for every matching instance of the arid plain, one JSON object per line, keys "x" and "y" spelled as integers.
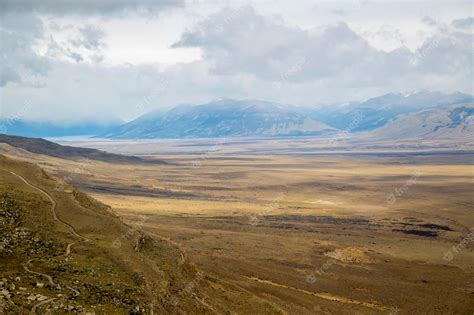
{"x": 353, "y": 229}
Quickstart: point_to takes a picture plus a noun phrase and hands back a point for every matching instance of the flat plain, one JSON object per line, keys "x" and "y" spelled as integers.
{"x": 353, "y": 229}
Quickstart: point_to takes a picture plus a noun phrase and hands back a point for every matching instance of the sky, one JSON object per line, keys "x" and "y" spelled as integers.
{"x": 71, "y": 61}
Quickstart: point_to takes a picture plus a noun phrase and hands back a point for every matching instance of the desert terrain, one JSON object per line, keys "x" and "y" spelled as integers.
{"x": 309, "y": 230}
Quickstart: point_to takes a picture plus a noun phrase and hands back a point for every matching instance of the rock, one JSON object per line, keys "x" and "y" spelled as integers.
{"x": 31, "y": 297}
{"x": 5, "y": 293}
{"x": 40, "y": 297}
{"x": 39, "y": 284}
{"x": 140, "y": 243}
{"x": 22, "y": 289}
{"x": 17, "y": 279}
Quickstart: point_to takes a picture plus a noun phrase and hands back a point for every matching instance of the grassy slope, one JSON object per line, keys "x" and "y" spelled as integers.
{"x": 120, "y": 270}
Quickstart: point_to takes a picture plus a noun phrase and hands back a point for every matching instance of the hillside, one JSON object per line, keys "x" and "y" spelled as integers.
{"x": 455, "y": 122}
{"x": 41, "y": 146}
{"x": 89, "y": 274}
{"x": 222, "y": 118}
{"x": 64, "y": 252}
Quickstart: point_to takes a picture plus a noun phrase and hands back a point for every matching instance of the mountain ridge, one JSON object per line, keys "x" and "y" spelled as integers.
{"x": 244, "y": 118}
{"x": 227, "y": 117}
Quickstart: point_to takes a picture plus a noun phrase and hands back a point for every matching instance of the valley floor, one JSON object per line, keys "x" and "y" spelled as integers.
{"x": 307, "y": 230}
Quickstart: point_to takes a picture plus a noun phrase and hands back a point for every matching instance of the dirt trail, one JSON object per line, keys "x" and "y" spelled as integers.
{"x": 33, "y": 310}
{"x": 323, "y": 295}
{"x": 68, "y": 247}
{"x": 50, "y": 279}
{"x": 53, "y": 208}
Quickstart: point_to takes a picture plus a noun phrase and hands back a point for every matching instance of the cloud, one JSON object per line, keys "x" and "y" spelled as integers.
{"x": 87, "y": 45}
{"x": 242, "y": 41}
{"x": 467, "y": 23}
{"x": 27, "y": 24}
{"x": 18, "y": 60}
{"x": 21, "y": 34}
{"x": 8, "y": 74}
{"x": 447, "y": 53}
{"x": 88, "y": 7}
{"x": 429, "y": 21}
{"x": 91, "y": 37}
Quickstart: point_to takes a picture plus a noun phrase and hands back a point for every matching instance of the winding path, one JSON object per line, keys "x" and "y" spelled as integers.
{"x": 53, "y": 208}
{"x": 50, "y": 279}
{"x": 68, "y": 247}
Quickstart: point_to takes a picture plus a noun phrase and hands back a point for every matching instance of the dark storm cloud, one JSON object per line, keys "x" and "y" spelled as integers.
{"x": 88, "y": 7}
{"x": 21, "y": 27}
{"x": 17, "y": 57}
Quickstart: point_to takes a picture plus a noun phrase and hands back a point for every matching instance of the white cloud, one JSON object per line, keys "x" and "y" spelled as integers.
{"x": 243, "y": 41}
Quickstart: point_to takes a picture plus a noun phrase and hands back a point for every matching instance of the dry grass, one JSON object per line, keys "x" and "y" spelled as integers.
{"x": 303, "y": 222}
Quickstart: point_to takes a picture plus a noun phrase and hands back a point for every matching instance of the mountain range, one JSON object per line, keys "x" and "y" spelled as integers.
{"x": 240, "y": 118}
{"x": 395, "y": 114}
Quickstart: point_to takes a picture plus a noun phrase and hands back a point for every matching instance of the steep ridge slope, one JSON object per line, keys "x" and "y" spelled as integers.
{"x": 41, "y": 146}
